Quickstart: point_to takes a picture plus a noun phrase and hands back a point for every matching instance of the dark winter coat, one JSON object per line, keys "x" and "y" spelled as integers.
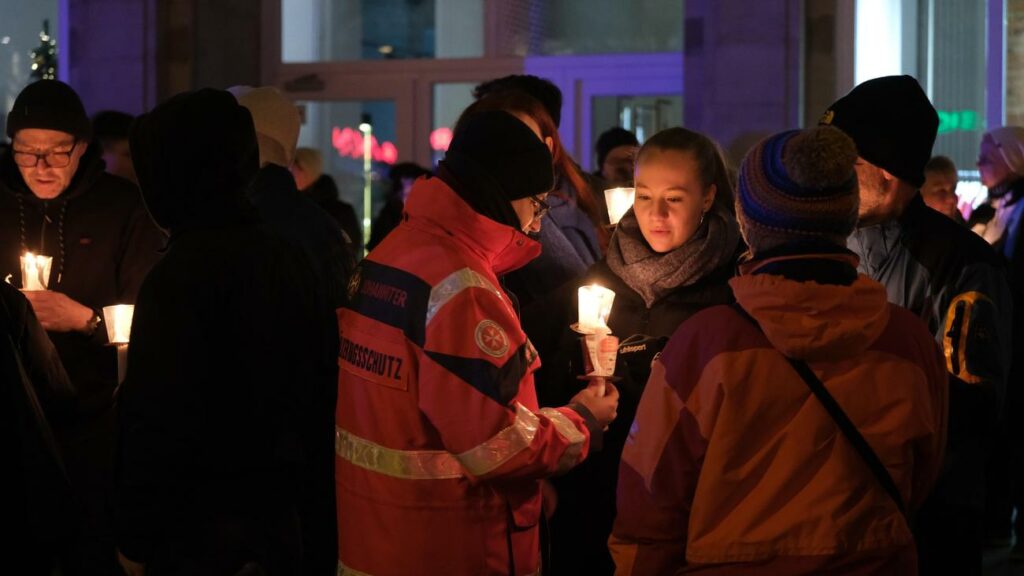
{"x": 325, "y": 193}
{"x": 298, "y": 219}
{"x": 305, "y": 226}
{"x": 389, "y": 217}
{"x": 951, "y": 279}
{"x": 222, "y": 411}
{"x": 1015, "y": 275}
{"x": 36, "y": 405}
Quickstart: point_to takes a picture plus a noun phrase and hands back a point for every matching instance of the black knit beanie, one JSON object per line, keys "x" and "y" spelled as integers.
{"x": 612, "y": 139}
{"x": 892, "y": 122}
{"x": 494, "y": 159}
{"x": 49, "y": 105}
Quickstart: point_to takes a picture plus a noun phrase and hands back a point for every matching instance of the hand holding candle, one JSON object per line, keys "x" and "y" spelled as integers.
{"x": 619, "y": 201}
{"x": 600, "y": 348}
{"x": 35, "y": 271}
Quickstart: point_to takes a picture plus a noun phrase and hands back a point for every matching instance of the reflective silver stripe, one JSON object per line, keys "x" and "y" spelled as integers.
{"x": 457, "y": 282}
{"x": 503, "y": 446}
{"x": 346, "y": 571}
{"x": 439, "y": 464}
{"x": 407, "y": 464}
{"x": 565, "y": 428}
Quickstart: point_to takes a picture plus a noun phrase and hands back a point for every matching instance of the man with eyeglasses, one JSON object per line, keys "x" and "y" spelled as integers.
{"x": 56, "y": 201}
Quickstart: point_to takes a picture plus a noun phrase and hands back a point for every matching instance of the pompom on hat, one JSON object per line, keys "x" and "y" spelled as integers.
{"x": 798, "y": 186}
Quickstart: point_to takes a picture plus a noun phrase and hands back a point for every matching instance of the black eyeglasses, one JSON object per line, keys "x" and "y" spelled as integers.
{"x": 540, "y": 207}
{"x": 52, "y": 159}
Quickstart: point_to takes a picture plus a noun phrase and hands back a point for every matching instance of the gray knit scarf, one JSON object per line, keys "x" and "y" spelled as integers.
{"x": 654, "y": 275}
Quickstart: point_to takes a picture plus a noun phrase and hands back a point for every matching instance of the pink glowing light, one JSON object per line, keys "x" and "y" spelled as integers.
{"x": 440, "y": 139}
{"x": 349, "y": 144}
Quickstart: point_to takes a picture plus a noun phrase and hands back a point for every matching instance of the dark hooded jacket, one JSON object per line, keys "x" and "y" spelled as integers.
{"x": 219, "y": 406}
{"x": 36, "y": 398}
{"x": 299, "y": 221}
{"x": 103, "y": 244}
{"x": 325, "y": 193}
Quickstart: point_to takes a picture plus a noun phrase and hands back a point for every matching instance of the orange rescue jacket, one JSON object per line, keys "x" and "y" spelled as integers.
{"x": 440, "y": 443}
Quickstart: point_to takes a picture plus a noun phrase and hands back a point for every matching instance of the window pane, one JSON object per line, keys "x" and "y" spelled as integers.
{"x": 952, "y": 40}
{"x": 19, "y": 36}
{"x": 334, "y": 128}
{"x": 540, "y": 28}
{"x": 641, "y": 115}
{"x": 450, "y": 99}
{"x": 325, "y": 30}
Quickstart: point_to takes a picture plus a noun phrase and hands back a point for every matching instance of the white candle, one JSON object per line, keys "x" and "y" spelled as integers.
{"x": 119, "y": 322}
{"x": 35, "y": 271}
{"x": 595, "y": 305}
{"x": 619, "y": 200}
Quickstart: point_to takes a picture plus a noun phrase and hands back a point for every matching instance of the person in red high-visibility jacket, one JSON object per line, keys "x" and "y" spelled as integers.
{"x": 440, "y": 443}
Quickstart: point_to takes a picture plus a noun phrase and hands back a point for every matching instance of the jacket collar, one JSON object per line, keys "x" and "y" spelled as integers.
{"x": 820, "y": 316}
{"x": 434, "y": 207}
{"x": 875, "y": 244}
{"x": 812, "y": 262}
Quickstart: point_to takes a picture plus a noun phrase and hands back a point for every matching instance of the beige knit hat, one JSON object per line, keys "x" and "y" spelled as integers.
{"x": 276, "y": 119}
{"x": 1010, "y": 141}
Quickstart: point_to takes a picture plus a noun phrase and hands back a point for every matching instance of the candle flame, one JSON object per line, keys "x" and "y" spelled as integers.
{"x": 619, "y": 201}
{"x": 595, "y": 305}
{"x": 118, "y": 319}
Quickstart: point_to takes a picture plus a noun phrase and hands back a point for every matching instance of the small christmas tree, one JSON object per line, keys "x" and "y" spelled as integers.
{"x": 44, "y": 58}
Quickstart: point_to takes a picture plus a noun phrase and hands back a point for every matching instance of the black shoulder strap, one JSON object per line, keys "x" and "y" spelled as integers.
{"x": 848, "y": 428}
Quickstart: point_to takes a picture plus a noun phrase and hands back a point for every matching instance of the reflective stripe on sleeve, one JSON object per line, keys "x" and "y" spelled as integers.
{"x": 454, "y": 283}
{"x": 439, "y": 464}
{"x": 407, "y": 464}
{"x": 566, "y": 429}
{"x": 503, "y": 446}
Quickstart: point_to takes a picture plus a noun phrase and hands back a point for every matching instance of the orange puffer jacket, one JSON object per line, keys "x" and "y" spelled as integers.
{"x": 440, "y": 443}
{"x": 734, "y": 467}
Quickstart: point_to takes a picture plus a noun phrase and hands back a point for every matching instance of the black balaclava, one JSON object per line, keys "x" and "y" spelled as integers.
{"x": 493, "y": 159}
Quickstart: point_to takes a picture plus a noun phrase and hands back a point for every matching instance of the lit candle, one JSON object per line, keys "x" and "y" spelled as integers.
{"x": 35, "y": 271}
{"x": 119, "y": 322}
{"x": 118, "y": 319}
{"x": 595, "y": 305}
{"x": 619, "y": 200}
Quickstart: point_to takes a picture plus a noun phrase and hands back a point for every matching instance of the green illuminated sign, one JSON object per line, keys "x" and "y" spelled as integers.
{"x": 958, "y": 121}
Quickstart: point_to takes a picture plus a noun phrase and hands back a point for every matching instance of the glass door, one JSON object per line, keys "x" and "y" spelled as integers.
{"x": 642, "y": 93}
